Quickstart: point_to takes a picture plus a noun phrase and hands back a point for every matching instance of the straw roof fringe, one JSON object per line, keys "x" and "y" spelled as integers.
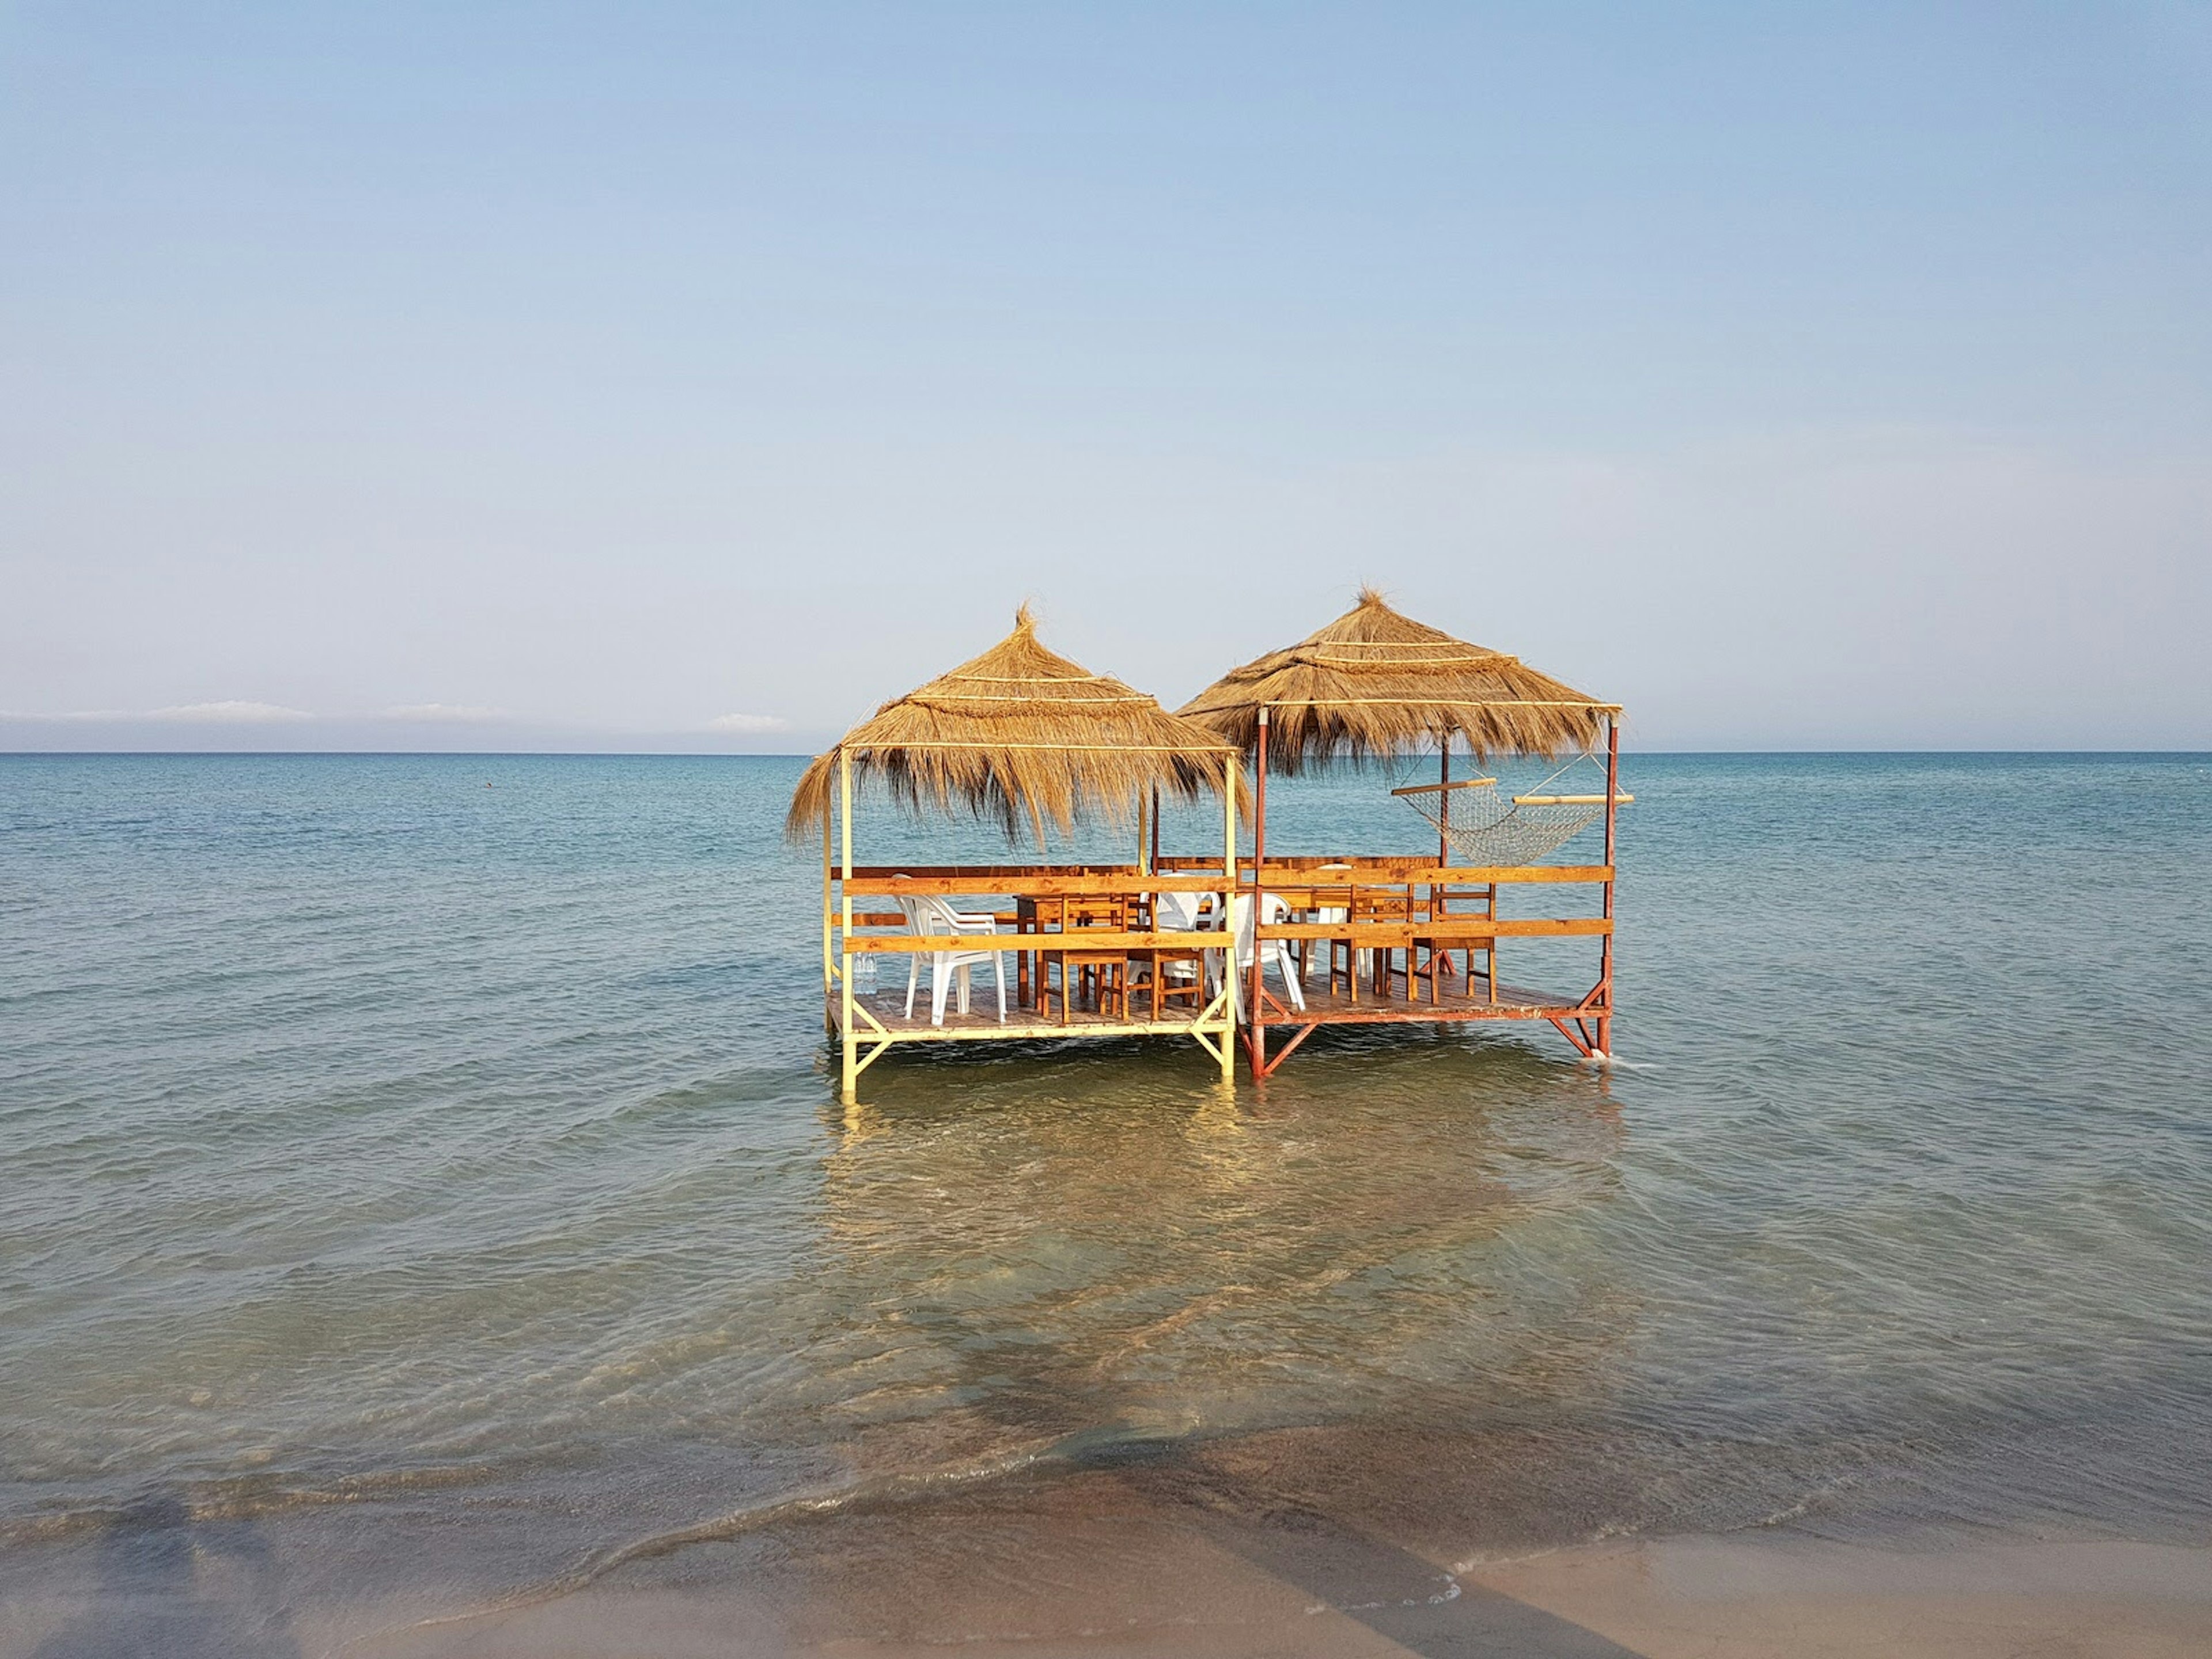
{"x": 1020, "y": 735}
{"x": 1374, "y": 684}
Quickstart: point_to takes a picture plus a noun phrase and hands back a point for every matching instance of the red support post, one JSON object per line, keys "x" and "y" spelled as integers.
{"x": 1438, "y": 961}
{"x": 1259, "y": 1025}
{"x": 1443, "y": 802}
{"x": 1612, "y": 809}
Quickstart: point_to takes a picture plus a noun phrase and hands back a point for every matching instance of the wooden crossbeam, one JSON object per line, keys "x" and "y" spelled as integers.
{"x": 1415, "y": 872}
{"x": 1284, "y": 877}
{"x": 1447, "y": 930}
{"x": 1438, "y": 788}
{"x": 1002, "y": 883}
{"x": 1074, "y": 939}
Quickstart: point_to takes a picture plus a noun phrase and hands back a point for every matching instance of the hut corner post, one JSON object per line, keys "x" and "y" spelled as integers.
{"x": 1231, "y": 763}
{"x": 848, "y": 1076}
{"x": 1612, "y": 809}
{"x": 829, "y": 923}
{"x": 1439, "y": 961}
{"x": 1256, "y": 1023}
{"x": 1444, "y": 799}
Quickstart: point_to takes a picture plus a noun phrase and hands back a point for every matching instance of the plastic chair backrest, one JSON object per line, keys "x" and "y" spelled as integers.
{"x": 1277, "y": 908}
{"x": 928, "y": 914}
{"x": 1175, "y": 913}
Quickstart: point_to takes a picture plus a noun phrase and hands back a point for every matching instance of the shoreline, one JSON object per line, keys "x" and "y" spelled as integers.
{"x": 1141, "y": 1582}
{"x": 1791, "y": 1597}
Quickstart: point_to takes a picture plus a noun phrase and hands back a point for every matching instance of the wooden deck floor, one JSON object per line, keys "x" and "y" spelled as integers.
{"x": 1338, "y": 1008}
{"x": 982, "y": 1020}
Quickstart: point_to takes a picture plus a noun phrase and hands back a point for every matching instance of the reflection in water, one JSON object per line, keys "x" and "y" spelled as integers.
{"x": 1109, "y": 1265}
{"x": 1095, "y": 1342}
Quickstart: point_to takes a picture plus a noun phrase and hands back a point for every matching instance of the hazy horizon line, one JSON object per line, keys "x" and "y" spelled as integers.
{"x": 806, "y": 754}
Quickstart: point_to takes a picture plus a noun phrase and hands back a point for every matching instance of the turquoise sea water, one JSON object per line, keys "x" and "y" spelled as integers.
{"x": 447, "y": 1141}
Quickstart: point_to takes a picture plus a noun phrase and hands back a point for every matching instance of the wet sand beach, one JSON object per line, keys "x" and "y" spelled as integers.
{"x": 1127, "y": 1578}
{"x": 1680, "y": 1598}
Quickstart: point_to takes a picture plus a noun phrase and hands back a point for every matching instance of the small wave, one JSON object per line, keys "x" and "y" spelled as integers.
{"x": 243, "y": 1500}
{"x": 880, "y": 1489}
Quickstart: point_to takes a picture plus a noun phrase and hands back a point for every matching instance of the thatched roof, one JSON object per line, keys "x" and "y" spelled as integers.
{"x": 1020, "y": 735}
{"x": 1375, "y": 683}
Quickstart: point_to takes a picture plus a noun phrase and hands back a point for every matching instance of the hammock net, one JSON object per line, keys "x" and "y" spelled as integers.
{"x": 1484, "y": 826}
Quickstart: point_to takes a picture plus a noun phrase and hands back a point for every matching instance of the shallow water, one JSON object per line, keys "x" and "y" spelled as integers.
{"x": 447, "y": 1141}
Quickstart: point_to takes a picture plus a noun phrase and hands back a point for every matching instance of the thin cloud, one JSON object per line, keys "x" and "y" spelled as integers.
{"x": 457, "y": 713}
{"x": 749, "y": 723}
{"x": 233, "y": 711}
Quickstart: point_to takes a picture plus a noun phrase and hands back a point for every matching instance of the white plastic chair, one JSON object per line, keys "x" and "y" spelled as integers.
{"x": 1273, "y": 953}
{"x": 935, "y": 918}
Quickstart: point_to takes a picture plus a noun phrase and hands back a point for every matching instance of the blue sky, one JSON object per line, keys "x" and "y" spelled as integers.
{"x": 697, "y": 376}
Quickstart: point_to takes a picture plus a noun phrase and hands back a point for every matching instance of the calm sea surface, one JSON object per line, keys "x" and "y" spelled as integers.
{"x": 448, "y": 1141}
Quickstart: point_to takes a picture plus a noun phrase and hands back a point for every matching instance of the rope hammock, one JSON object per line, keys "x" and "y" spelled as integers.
{"x": 1486, "y": 828}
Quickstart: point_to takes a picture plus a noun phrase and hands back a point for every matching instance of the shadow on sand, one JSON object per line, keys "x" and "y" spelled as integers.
{"x": 1399, "y": 1595}
{"x": 168, "y": 1585}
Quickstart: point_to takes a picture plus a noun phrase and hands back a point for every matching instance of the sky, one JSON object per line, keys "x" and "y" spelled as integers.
{"x": 695, "y": 377}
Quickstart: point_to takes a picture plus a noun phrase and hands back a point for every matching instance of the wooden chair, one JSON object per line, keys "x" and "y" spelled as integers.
{"x": 1364, "y": 906}
{"x": 1439, "y": 966}
{"x": 1332, "y": 907}
{"x": 1176, "y": 974}
{"x": 1102, "y": 976}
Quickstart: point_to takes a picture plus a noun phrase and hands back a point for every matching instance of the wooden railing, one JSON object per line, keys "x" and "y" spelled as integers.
{"x": 1417, "y": 886}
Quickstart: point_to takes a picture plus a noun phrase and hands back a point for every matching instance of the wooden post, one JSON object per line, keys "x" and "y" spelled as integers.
{"x": 1612, "y": 809}
{"x": 1258, "y": 1026}
{"x": 1438, "y": 960}
{"x": 849, "y": 1077}
{"x": 1229, "y": 769}
{"x": 1156, "y": 832}
{"x": 1443, "y": 801}
{"x": 829, "y": 958}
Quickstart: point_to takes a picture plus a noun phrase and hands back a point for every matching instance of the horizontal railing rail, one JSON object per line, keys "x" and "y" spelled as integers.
{"x": 996, "y": 880}
{"x": 1416, "y": 873}
{"x": 1386, "y": 881}
{"x": 1075, "y": 938}
{"x": 1024, "y": 884}
{"x": 1442, "y": 928}
{"x": 964, "y": 870}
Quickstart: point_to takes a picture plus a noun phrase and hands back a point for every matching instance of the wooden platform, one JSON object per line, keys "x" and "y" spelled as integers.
{"x": 1323, "y": 1007}
{"x": 981, "y": 1022}
{"x": 1337, "y": 1007}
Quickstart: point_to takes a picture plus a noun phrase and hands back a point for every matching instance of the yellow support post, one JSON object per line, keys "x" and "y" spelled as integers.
{"x": 828, "y": 957}
{"x": 849, "y": 1078}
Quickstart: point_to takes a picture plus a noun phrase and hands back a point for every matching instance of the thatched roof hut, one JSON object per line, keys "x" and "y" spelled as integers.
{"x": 1374, "y": 684}
{"x": 1021, "y": 735}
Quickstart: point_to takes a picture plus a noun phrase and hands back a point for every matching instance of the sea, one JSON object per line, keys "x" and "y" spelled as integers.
{"x": 423, "y": 1181}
